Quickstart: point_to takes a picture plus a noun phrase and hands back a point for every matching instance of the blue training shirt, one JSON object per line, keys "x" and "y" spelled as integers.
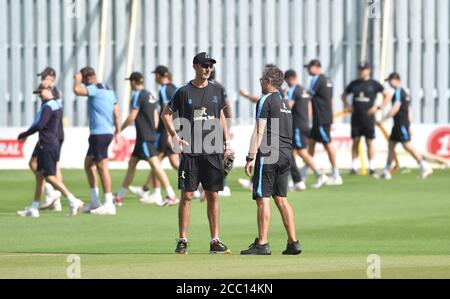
{"x": 101, "y": 102}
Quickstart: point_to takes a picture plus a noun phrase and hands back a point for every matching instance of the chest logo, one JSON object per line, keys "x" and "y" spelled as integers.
{"x": 215, "y": 99}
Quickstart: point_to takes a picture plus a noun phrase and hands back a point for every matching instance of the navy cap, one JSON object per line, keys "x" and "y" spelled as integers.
{"x": 203, "y": 58}
{"x": 136, "y": 77}
{"x": 364, "y": 65}
{"x": 161, "y": 70}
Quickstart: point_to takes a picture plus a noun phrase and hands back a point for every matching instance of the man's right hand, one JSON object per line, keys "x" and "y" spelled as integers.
{"x": 181, "y": 143}
{"x": 249, "y": 167}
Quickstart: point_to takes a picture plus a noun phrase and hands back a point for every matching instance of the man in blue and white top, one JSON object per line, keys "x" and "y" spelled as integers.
{"x": 104, "y": 123}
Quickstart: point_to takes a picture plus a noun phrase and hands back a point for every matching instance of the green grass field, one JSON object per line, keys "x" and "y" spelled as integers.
{"x": 405, "y": 221}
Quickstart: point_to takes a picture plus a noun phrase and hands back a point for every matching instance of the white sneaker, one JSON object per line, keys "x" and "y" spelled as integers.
{"x": 93, "y": 205}
{"x": 386, "y": 175}
{"x": 153, "y": 199}
{"x": 226, "y": 192}
{"x": 138, "y": 191}
{"x": 50, "y": 200}
{"x": 291, "y": 185}
{"x": 426, "y": 172}
{"x": 28, "y": 212}
{"x": 300, "y": 186}
{"x": 335, "y": 181}
{"x": 171, "y": 201}
{"x": 197, "y": 194}
{"x": 105, "y": 210}
{"x": 321, "y": 180}
{"x": 75, "y": 207}
{"x": 246, "y": 184}
{"x": 57, "y": 207}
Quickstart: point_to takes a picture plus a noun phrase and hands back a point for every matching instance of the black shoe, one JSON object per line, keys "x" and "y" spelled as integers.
{"x": 371, "y": 172}
{"x": 218, "y": 247}
{"x": 293, "y": 249}
{"x": 353, "y": 172}
{"x": 257, "y": 249}
{"x": 182, "y": 247}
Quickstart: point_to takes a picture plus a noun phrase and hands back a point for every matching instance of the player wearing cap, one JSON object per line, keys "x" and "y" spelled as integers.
{"x": 364, "y": 91}
{"x": 401, "y": 112}
{"x": 104, "y": 123}
{"x": 299, "y": 101}
{"x": 321, "y": 91}
{"x": 47, "y": 125}
{"x": 163, "y": 142}
{"x": 52, "y": 197}
{"x": 200, "y": 106}
{"x": 144, "y": 112}
{"x": 273, "y": 162}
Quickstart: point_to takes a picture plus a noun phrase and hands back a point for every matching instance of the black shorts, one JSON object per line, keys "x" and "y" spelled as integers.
{"x": 98, "y": 147}
{"x": 300, "y": 138}
{"x": 400, "y": 133}
{"x": 207, "y": 170}
{"x": 161, "y": 143}
{"x": 363, "y": 129}
{"x": 46, "y": 160}
{"x": 321, "y": 133}
{"x": 271, "y": 180}
{"x": 144, "y": 150}
{"x": 34, "y": 154}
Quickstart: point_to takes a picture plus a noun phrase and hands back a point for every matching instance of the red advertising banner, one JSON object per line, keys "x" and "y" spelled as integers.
{"x": 11, "y": 149}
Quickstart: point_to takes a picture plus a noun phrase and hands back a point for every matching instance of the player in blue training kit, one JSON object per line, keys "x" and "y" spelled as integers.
{"x": 47, "y": 124}
{"x": 401, "y": 107}
{"x": 104, "y": 123}
{"x": 144, "y": 112}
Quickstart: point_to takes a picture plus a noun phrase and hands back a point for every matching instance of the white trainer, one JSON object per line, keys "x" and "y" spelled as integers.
{"x": 246, "y": 184}
{"x": 226, "y": 192}
{"x": 105, "y": 210}
{"x": 29, "y": 212}
{"x": 197, "y": 194}
{"x": 300, "y": 186}
{"x": 386, "y": 175}
{"x": 138, "y": 191}
{"x": 93, "y": 205}
{"x": 321, "y": 180}
{"x": 57, "y": 207}
{"x": 75, "y": 207}
{"x": 153, "y": 199}
{"x": 335, "y": 181}
{"x": 50, "y": 200}
{"x": 426, "y": 172}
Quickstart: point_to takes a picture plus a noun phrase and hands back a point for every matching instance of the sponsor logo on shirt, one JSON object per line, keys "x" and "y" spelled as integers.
{"x": 202, "y": 114}
{"x": 285, "y": 109}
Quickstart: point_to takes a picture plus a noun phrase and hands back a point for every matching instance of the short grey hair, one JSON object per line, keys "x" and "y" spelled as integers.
{"x": 275, "y": 75}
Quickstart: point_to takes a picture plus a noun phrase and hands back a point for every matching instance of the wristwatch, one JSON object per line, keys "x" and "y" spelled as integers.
{"x": 249, "y": 159}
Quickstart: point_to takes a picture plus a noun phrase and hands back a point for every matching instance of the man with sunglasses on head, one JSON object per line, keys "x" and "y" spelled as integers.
{"x": 200, "y": 105}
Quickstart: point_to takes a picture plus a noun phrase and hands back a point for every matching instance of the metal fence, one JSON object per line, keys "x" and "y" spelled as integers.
{"x": 243, "y": 35}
